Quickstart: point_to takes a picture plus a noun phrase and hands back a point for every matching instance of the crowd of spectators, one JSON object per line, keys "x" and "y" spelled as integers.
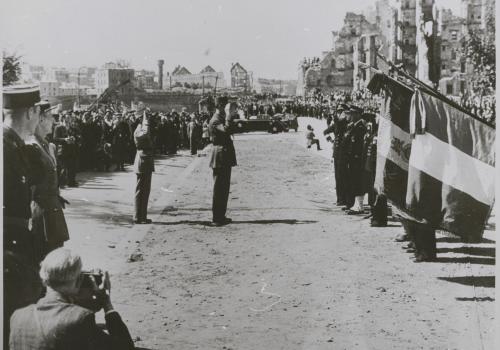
{"x": 482, "y": 106}
{"x": 102, "y": 139}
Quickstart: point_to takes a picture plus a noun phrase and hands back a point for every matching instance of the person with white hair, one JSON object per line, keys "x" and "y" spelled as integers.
{"x": 58, "y": 321}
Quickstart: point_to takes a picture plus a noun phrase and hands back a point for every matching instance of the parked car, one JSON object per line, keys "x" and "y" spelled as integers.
{"x": 289, "y": 120}
{"x": 262, "y": 122}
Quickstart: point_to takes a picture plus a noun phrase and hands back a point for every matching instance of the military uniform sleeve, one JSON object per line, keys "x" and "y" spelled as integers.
{"x": 35, "y": 163}
{"x": 219, "y": 126}
{"x": 59, "y": 135}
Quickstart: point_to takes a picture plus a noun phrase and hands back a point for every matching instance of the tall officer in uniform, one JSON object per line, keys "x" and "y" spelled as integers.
{"x": 355, "y": 136}
{"x": 338, "y": 127}
{"x": 223, "y": 158}
{"x": 144, "y": 167}
{"x": 22, "y": 286}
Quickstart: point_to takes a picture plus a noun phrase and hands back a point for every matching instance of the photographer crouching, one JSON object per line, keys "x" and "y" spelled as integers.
{"x": 65, "y": 317}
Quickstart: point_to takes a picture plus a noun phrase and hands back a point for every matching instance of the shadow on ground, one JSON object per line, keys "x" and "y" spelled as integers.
{"x": 458, "y": 240}
{"x": 465, "y": 260}
{"x": 484, "y": 251}
{"x": 238, "y": 222}
{"x": 476, "y": 299}
{"x": 477, "y": 281}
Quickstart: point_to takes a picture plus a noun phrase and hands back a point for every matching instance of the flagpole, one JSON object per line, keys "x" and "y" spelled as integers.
{"x": 431, "y": 90}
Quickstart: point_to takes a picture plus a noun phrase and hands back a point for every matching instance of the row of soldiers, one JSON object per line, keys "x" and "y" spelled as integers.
{"x": 355, "y": 159}
{"x": 103, "y": 139}
{"x": 352, "y": 132}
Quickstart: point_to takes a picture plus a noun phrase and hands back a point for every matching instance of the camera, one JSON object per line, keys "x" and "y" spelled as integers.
{"x": 87, "y": 296}
{"x": 98, "y": 276}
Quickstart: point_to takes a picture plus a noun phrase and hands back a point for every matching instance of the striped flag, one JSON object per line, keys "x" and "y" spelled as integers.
{"x": 451, "y": 173}
{"x": 393, "y": 139}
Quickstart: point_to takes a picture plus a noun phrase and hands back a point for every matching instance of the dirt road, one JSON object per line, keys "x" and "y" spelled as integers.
{"x": 291, "y": 272}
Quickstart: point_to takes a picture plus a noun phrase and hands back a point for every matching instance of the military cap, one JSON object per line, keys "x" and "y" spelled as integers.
{"x": 20, "y": 96}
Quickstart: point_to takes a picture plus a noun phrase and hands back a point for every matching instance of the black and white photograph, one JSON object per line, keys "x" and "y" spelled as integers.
{"x": 243, "y": 175}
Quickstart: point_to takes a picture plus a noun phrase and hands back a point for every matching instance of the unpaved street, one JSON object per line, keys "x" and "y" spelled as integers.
{"x": 291, "y": 272}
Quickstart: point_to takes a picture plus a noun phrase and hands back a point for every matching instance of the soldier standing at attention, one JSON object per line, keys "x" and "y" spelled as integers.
{"x": 338, "y": 127}
{"x": 22, "y": 286}
{"x": 144, "y": 167}
{"x": 223, "y": 158}
{"x": 356, "y": 134}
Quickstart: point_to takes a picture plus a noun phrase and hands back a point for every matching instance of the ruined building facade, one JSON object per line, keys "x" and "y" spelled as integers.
{"x": 414, "y": 34}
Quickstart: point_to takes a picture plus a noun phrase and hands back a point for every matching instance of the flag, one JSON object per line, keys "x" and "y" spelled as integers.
{"x": 451, "y": 173}
{"x": 393, "y": 139}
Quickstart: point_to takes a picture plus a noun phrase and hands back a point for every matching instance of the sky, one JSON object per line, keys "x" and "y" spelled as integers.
{"x": 268, "y": 37}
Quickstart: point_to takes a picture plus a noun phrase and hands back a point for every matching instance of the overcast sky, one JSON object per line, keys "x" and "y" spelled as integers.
{"x": 268, "y": 37}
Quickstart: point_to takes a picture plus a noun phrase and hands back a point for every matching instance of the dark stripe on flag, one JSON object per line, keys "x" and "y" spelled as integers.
{"x": 397, "y": 103}
{"x": 454, "y": 127}
{"x": 395, "y": 181}
{"x": 445, "y": 207}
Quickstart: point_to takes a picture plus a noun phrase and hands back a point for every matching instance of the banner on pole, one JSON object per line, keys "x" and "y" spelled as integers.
{"x": 393, "y": 139}
{"x": 451, "y": 170}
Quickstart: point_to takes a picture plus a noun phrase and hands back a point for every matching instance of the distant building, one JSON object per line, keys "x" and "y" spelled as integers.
{"x": 275, "y": 86}
{"x": 335, "y": 70}
{"x": 112, "y": 77}
{"x": 60, "y": 75}
{"x": 453, "y": 65}
{"x": 207, "y": 77}
{"x": 240, "y": 78}
{"x": 414, "y": 34}
{"x": 406, "y": 35}
{"x": 381, "y": 39}
{"x": 145, "y": 80}
{"x": 31, "y": 73}
{"x": 72, "y": 89}
{"x": 49, "y": 88}
{"x": 475, "y": 13}
{"x": 84, "y": 76}
{"x": 55, "y": 88}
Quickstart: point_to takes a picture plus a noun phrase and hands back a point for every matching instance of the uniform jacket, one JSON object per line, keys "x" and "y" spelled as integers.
{"x": 17, "y": 178}
{"x": 59, "y": 137}
{"x": 223, "y": 152}
{"x": 48, "y": 220}
{"x": 144, "y": 158}
{"x": 65, "y": 149}
{"x": 355, "y": 136}
{"x": 54, "y": 323}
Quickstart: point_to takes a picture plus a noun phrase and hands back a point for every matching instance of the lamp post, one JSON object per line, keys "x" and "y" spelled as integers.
{"x": 78, "y": 88}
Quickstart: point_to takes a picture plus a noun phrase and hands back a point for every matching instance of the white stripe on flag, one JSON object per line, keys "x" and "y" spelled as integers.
{"x": 389, "y": 134}
{"x": 453, "y": 167}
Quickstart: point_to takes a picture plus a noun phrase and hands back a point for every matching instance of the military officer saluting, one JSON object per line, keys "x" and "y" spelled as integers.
{"x": 21, "y": 114}
{"x": 144, "y": 167}
{"x": 223, "y": 158}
